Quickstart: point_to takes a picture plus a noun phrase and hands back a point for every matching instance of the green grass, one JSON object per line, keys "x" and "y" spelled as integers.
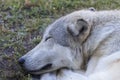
{"x": 21, "y": 27}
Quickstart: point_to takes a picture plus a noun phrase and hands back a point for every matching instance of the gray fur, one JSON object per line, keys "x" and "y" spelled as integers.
{"x": 99, "y": 42}
{"x": 59, "y": 33}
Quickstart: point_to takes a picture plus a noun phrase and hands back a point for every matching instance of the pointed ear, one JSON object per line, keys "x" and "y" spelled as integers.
{"x": 80, "y": 29}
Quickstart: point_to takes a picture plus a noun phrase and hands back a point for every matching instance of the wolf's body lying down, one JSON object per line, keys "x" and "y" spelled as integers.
{"x": 107, "y": 67}
{"x": 83, "y": 40}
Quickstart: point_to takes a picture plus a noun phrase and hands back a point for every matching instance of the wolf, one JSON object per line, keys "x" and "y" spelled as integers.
{"x": 83, "y": 40}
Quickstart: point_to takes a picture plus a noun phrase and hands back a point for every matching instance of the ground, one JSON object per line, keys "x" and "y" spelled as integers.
{"x": 22, "y": 25}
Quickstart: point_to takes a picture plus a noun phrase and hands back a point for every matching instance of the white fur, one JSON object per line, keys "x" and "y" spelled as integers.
{"x": 101, "y": 66}
{"x": 100, "y": 50}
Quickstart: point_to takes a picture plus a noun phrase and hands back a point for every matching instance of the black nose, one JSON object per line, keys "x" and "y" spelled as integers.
{"x": 21, "y": 61}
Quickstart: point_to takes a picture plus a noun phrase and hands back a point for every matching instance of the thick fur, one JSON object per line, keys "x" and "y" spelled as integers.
{"x": 83, "y": 40}
{"x": 100, "y": 66}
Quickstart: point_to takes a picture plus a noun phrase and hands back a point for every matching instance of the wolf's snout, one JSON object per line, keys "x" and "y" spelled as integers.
{"x": 21, "y": 61}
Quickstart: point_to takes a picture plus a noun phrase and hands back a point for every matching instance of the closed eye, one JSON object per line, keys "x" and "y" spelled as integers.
{"x": 48, "y": 38}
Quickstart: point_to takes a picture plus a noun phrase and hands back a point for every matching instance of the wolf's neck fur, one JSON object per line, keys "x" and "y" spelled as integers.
{"x": 102, "y": 17}
{"x": 99, "y": 19}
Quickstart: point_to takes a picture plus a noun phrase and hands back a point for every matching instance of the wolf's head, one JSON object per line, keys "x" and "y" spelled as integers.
{"x": 61, "y": 45}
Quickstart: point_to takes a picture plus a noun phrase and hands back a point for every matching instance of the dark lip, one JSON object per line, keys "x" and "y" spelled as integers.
{"x": 44, "y": 68}
{"x": 38, "y": 76}
{"x": 40, "y": 72}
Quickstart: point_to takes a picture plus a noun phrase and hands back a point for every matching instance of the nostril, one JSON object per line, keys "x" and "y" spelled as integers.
{"x": 21, "y": 61}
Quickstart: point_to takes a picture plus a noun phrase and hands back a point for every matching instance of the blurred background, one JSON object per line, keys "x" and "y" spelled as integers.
{"x": 22, "y": 23}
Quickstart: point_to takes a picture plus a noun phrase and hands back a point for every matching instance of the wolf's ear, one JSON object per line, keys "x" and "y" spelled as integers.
{"x": 79, "y": 29}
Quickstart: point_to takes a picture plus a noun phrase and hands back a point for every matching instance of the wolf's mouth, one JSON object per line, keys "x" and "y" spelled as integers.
{"x": 44, "y": 69}
{"x": 37, "y": 75}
